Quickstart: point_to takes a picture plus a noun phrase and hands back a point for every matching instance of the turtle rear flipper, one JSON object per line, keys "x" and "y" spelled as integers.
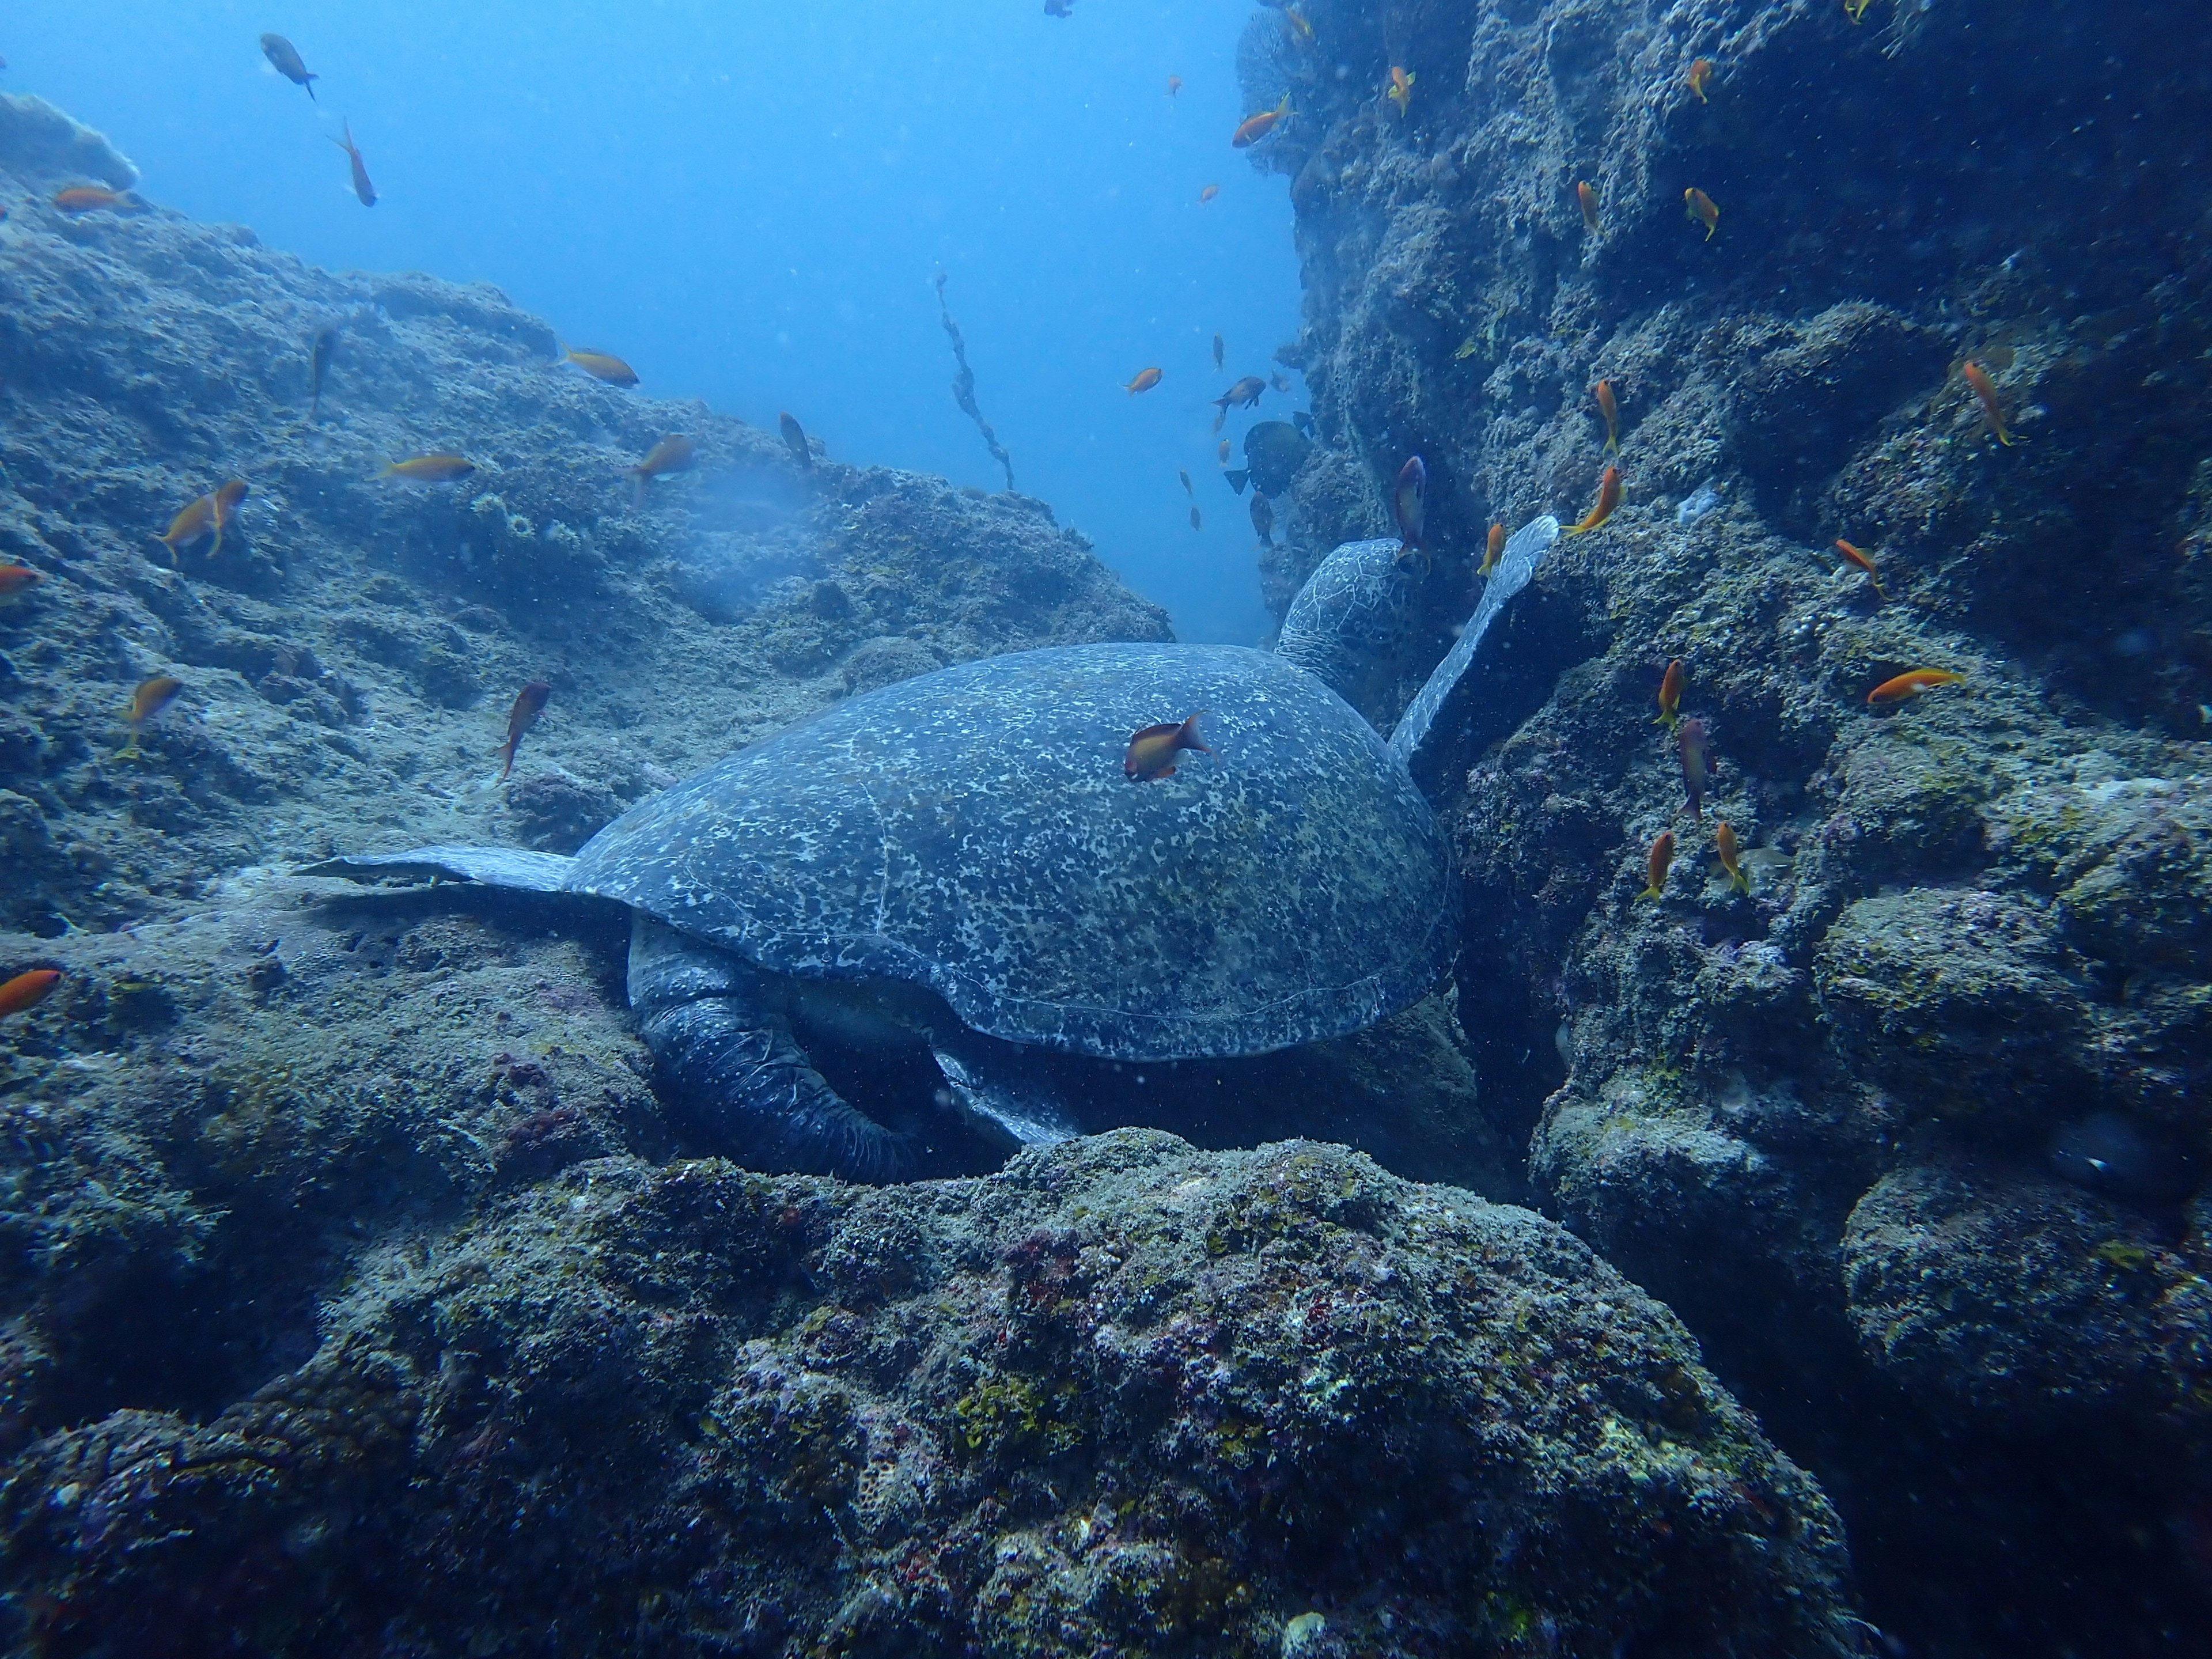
{"x": 717, "y": 1028}
{"x": 1006, "y": 1089}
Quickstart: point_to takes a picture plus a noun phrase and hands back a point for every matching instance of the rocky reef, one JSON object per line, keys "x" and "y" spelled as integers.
{"x": 1914, "y": 1132}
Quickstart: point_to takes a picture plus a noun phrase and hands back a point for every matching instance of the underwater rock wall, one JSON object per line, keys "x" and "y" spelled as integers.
{"x": 1914, "y": 1132}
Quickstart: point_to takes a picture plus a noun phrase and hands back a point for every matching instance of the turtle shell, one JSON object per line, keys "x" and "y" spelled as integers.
{"x": 972, "y": 830}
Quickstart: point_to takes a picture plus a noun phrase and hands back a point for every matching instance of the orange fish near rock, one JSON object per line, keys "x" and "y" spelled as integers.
{"x": 1864, "y": 563}
{"x": 1495, "y": 547}
{"x": 151, "y": 697}
{"x": 1699, "y": 208}
{"x": 529, "y": 704}
{"x": 1608, "y": 498}
{"x": 210, "y": 515}
{"x": 429, "y": 469}
{"x": 1152, "y": 751}
{"x": 91, "y": 198}
{"x": 1253, "y": 128}
{"x": 1699, "y": 77}
{"x": 362, "y": 188}
{"x": 601, "y": 366}
{"x": 1611, "y": 411}
{"x": 1221, "y": 453}
{"x": 1730, "y": 856}
{"x": 28, "y": 990}
{"x": 1697, "y": 758}
{"x": 1985, "y": 392}
{"x": 1400, "y": 91}
{"x": 1912, "y": 683}
{"x": 1663, "y": 856}
{"x": 673, "y": 454}
{"x": 1146, "y": 380}
{"x": 1670, "y": 694}
{"x": 17, "y": 580}
{"x": 1587, "y": 197}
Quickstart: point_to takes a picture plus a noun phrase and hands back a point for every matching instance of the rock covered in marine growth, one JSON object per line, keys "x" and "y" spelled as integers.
{"x": 1123, "y": 1396}
{"x": 1910, "y": 1132}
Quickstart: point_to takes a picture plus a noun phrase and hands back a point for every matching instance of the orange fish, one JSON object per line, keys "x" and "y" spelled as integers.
{"x": 1985, "y": 390}
{"x": 529, "y": 704}
{"x": 1174, "y": 85}
{"x": 1662, "y": 855}
{"x": 17, "y": 580}
{"x": 1497, "y": 545}
{"x": 210, "y": 515}
{"x": 1256, "y": 127}
{"x": 1696, "y": 756}
{"x": 1401, "y": 89}
{"x": 1611, "y": 411}
{"x": 1911, "y": 684}
{"x": 1864, "y": 563}
{"x": 1152, "y": 749}
{"x": 601, "y": 366}
{"x": 1587, "y": 197}
{"x": 28, "y": 990}
{"x": 1724, "y": 844}
{"x": 1209, "y": 192}
{"x": 429, "y": 469}
{"x": 1699, "y": 207}
{"x": 675, "y": 454}
{"x": 1699, "y": 77}
{"x": 151, "y": 697}
{"x": 361, "y": 187}
{"x": 1221, "y": 453}
{"x": 89, "y": 198}
{"x": 1609, "y": 497}
{"x": 1146, "y": 380}
{"x": 1670, "y": 694}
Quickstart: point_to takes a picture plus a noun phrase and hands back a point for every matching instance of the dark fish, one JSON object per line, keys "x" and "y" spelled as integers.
{"x": 361, "y": 187}
{"x": 319, "y": 363}
{"x": 1263, "y": 518}
{"x": 794, "y": 439}
{"x": 1281, "y": 382}
{"x": 1691, "y": 734}
{"x": 1188, "y": 488}
{"x": 529, "y": 704}
{"x": 1152, "y": 749}
{"x": 1239, "y": 478}
{"x": 1220, "y": 351}
{"x": 1275, "y": 449}
{"x": 1197, "y": 522}
{"x": 1302, "y": 420}
{"x": 285, "y": 57}
{"x": 1411, "y": 499}
{"x": 1245, "y": 394}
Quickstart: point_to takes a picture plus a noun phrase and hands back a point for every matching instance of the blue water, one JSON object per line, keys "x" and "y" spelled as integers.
{"x": 749, "y": 203}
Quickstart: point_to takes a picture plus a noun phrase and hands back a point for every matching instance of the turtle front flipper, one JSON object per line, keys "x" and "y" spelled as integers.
{"x": 717, "y": 1028}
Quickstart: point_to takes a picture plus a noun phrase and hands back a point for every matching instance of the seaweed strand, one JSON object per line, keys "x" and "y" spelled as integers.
{"x": 964, "y": 388}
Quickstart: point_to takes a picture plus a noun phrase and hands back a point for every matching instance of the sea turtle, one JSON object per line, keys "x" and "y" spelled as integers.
{"x": 959, "y": 860}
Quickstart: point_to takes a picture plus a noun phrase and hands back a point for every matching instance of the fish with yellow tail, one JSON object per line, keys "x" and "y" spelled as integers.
{"x": 1610, "y": 409}
{"x": 1730, "y": 855}
{"x": 364, "y": 191}
{"x": 1699, "y": 208}
{"x": 1145, "y": 380}
{"x": 1401, "y": 90}
{"x": 1859, "y": 558}
{"x": 1253, "y": 128}
{"x": 1670, "y": 696}
{"x": 671, "y": 454}
{"x": 1913, "y": 683}
{"x": 210, "y": 515}
{"x": 1985, "y": 393}
{"x": 1587, "y": 198}
{"x": 151, "y": 697}
{"x": 1608, "y": 498}
{"x": 437, "y": 468}
{"x": 1654, "y": 875}
{"x": 601, "y": 366}
{"x": 1492, "y": 550}
{"x": 1153, "y": 749}
{"x": 1699, "y": 77}
{"x": 1856, "y": 9}
{"x": 1696, "y": 763}
{"x": 27, "y": 990}
{"x": 529, "y": 704}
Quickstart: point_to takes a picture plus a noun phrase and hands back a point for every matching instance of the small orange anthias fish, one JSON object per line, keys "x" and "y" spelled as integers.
{"x": 1696, "y": 759}
{"x": 1670, "y": 694}
{"x": 1698, "y": 207}
{"x": 794, "y": 439}
{"x": 1730, "y": 856}
{"x": 429, "y": 469}
{"x": 1152, "y": 751}
{"x": 672, "y": 454}
{"x": 601, "y": 366}
{"x": 1608, "y": 498}
{"x": 1401, "y": 89}
{"x": 1912, "y": 683}
{"x": 151, "y": 697}
{"x": 17, "y": 580}
{"x": 1253, "y": 128}
{"x": 361, "y": 187}
{"x": 1409, "y": 499}
{"x": 1491, "y": 551}
{"x": 1864, "y": 563}
{"x": 1146, "y": 380}
{"x": 1985, "y": 391}
{"x": 1587, "y": 197}
{"x": 1699, "y": 77}
{"x": 28, "y": 990}
{"x": 1221, "y": 452}
{"x": 1662, "y": 855}
{"x": 1208, "y": 194}
{"x": 1174, "y": 85}
{"x": 1611, "y": 411}
{"x": 529, "y": 704}
{"x": 210, "y": 515}
{"x": 90, "y": 198}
